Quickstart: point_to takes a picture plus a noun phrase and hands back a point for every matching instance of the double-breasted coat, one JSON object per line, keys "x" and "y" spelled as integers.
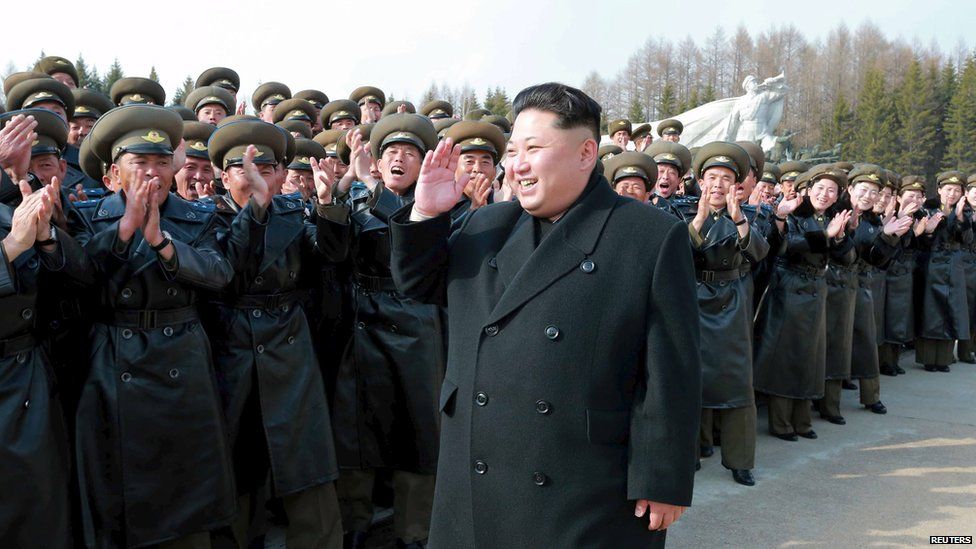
{"x": 943, "y": 312}
{"x": 573, "y": 384}
{"x": 790, "y": 325}
{"x": 726, "y": 310}
{"x": 874, "y": 250}
{"x": 152, "y": 453}
{"x": 35, "y": 462}
{"x": 263, "y": 350}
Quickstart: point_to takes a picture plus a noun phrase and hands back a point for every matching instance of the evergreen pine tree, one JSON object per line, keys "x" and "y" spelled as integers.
{"x": 152, "y": 74}
{"x": 636, "y": 112}
{"x": 918, "y": 117}
{"x": 182, "y": 91}
{"x": 839, "y": 128}
{"x": 668, "y": 103}
{"x": 497, "y": 102}
{"x": 113, "y": 75}
{"x": 84, "y": 75}
{"x": 876, "y": 122}
{"x": 961, "y": 125}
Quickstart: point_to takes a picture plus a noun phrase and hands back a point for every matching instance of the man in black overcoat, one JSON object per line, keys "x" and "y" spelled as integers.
{"x": 569, "y": 410}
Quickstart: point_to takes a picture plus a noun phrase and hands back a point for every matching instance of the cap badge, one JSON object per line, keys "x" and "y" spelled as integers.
{"x": 277, "y": 96}
{"x": 872, "y": 176}
{"x": 153, "y": 137}
{"x": 81, "y": 109}
{"x": 61, "y": 62}
{"x": 669, "y": 156}
{"x": 721, "y": 158}
{"x": 630, "y": 169}
{"x": 35, "y": 143}
{"x": 303, "y": 160}
{"x": 296, "y": 113}
{"x": 198, "y": 146}
{"x": 478, "y": 141}
{"x": 39, "y": 95}
{"x": 953, "y": 179}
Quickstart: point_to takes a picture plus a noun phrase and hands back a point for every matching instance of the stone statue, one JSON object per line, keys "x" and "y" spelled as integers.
{"x": 756, "y": 114}
{"x": 750, "y": 117}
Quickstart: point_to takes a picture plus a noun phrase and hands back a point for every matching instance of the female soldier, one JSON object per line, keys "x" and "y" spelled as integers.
{"x": 966, "y": 347}
{"x": 944, "y": 316}
{"x": 722, "y": 242}
{"x": 790, "y": 327}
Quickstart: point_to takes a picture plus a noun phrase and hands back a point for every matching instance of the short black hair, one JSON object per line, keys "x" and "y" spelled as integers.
{"x": 573, "y": 107}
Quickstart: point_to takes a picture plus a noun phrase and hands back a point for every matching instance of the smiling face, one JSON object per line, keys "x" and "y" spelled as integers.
{"x": 477, "y": 162}
{"x": 236, "y": 183}
{"x": 744, "y": 189}
{"x": 865, "y": 196}
{"x": 911, "y": 197}
{"x": 194, "y": 170}
{"x": 620, "y": 138}
{"x": 129, "y": 167}
{"x": 634, "y": 187}
{"x": 715, "y": 184}
{"x": 550, "y": 165}
{"x": 822, "y": 193}
{"x": 667, "y": 180}
{"x": 399, "y": 166}
{"x": 48, "y": 166}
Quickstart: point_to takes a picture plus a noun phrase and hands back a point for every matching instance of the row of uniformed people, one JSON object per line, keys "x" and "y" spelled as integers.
{"x": 838, "y": 236}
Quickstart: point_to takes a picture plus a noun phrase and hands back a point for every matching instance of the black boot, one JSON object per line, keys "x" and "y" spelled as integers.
{"x": 888, "y": 370}
{"x": 847, "y": 384}
{"x": 707, "y": 451}
{"x": 743, "y": 477}
{"x": 877, "y": 408}
{"x": 899, "y": 369}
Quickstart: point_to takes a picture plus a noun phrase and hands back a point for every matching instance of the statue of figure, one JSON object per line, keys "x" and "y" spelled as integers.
{"x": 756, "y": 114}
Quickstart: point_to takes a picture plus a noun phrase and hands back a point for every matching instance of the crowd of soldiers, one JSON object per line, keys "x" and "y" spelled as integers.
{"x": 202, "y": 335}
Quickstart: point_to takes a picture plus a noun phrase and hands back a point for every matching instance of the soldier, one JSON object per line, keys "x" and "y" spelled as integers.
{"x": 722, "y": 242}
{"x": 670, "y": 130}
{"x": 387, "y": 383}
{"x": 371, "y": 101}
{"x": 35, "y": 461}
{"x": 442, "y": 124}
{"x": 266, "y": 97}
{"x": 274, "y": 398}
{"x": 299, "y": 176}
{"x": 196, "y": 178}
{"x": 149, "y": 424}
{"x": 89, "y": 106}
{"x": 631, "y": 174}
{"x": 768, "y": 183}
{"x": 606, "y": 152}
{"x": 673, "y": 162}
{"x": 340, "y": 114}
{"x": 899, "y": 328}
{"x": 476, "y": 114}
{"x": 788, "y": 174}
{"x": 482, "y": 144}
{"x": 965, "y": 349}
{"x": 318, "y": 100}
{"x": 500, "y": 121}
{"x": 641, "y": 136}
{"x": 943, "y": 315}
{"x": 437, "y": 109}
{"x": 790, "y": 324}
{"x": 60, "y": 69}
{"x": 619, "y": 132}
{"x": 135, "y": 89}
{"x": 522, "y": 409}
{"x": 42, "y": 93}
{"x": 329, "y": 139}
{"x": 395, "y": 107}
{"x": 211, "y": 104}
{"x": 299, "y": 129}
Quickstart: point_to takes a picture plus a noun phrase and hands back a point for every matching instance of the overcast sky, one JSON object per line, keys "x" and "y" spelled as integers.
{"x": 401, "y": 47}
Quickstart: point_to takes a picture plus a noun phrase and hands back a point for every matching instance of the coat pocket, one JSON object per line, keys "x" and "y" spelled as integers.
{"x": 607, "y": 426}
{"x": 448, "y": 397}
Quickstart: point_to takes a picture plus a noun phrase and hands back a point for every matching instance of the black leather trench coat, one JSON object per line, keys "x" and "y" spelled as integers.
{"x": 35, "y": 462}
{"x": 944, "y": 312}
{"x": 385, "y": 410}
{"x": 263, "y": 350}
{"x": 563, "y": 402}
{"x": 790, "y": 325}
{"x": 152, "y": 452}
{"x": 722, "y": 265}
{"x": 874, "y": 251}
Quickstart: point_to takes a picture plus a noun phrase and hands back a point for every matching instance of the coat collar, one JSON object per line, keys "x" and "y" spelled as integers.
{"x": 286, "y": 221}
{"x": 527, "y": 270}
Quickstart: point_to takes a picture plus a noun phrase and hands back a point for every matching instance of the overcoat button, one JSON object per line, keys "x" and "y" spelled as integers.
{"x": 126, "y": 377}
{"x": 256, "y": 313}
{"x": 290, "y": 205}
{"x": 587, "y": 266}
{"x": 21, "y": 358}
{"x": 32, "y": 264}
{"x": 542, "y": 407}
{"x": 171, "y": 291}
{"x": 168, "y": 331}
{"x": 27, "y": 314}
{"x": 259, "y": 280}
{"x": 259, "y": 349}
{"x": 126, "y": 293}
{"x": 480, "y": 467}
{"x": 27, "y": 404}
{"x": 814, "y": 294}
{"x": 102, "y": 212}
{"x": 539, "y": 479}
{"x": 291, "y": 340}
{"x": 55, "y": 324}
{"x": 725, "y": 307}
{"x": 191, "y": 215}
{"x": 725, "y": 262}
{"x": 285, "y": 307}
{"x": 361, "y": 325}
{"x": 492, "y": 330}
{"x": 126, "y": 333}
{"x": 493, "y": 263}
{"x": 394, "y": 328}
{"x": 481, "y": 399}
{"x": 552, "y": 332}
{"x": 174, "y": 373}
{"x": 292, "y": 275}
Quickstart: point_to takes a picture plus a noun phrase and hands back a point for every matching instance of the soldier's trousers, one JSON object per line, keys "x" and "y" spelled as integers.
{"x": 934, "y": 352}
{"x": 830, "y": 403}
{"x": 870, "y": 390}
{"x": 966, "y": 346}
{"x": 888, "y": 354}
{"x": 313, "y": 519}
{"x": 788, "y": 415}
{"x": 738, "y": 431}
{"x": 413, "y": 501}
